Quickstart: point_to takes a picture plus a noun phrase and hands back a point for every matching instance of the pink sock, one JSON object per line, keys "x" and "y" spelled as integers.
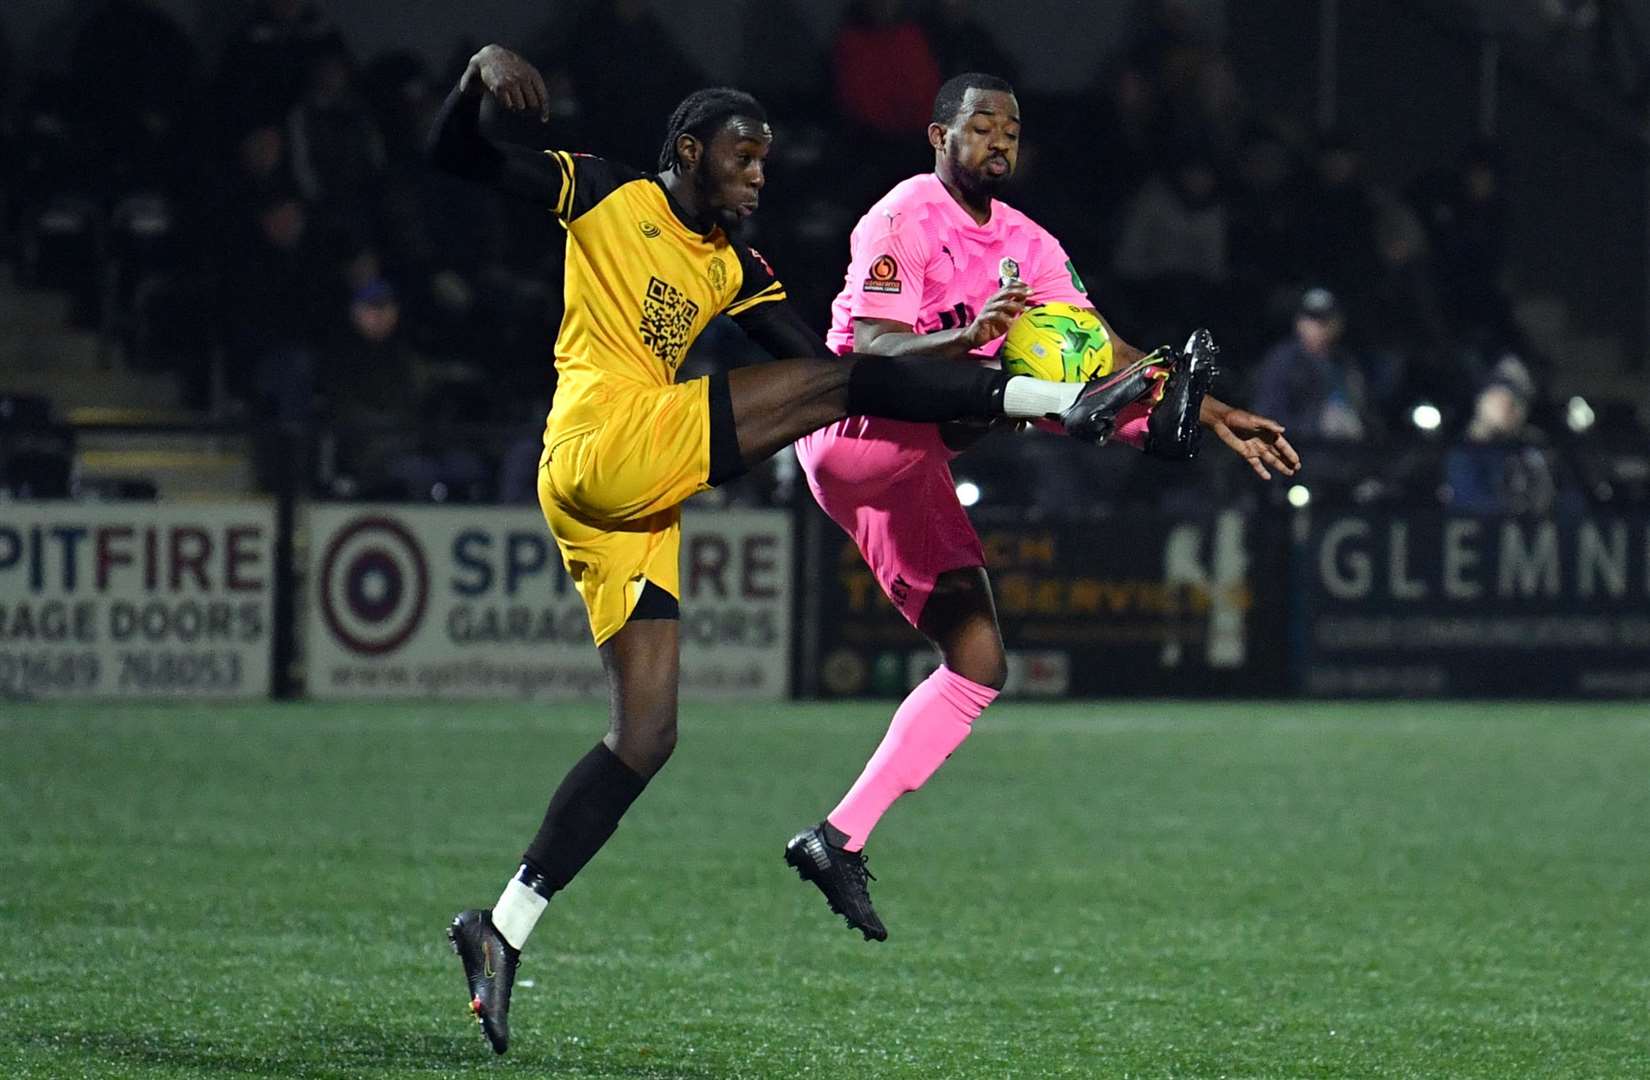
{"x": 931, "y": 722}
{"x": 1131, "y": 425}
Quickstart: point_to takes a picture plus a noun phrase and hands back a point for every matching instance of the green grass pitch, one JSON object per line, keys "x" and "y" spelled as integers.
{"x": 1165, "y": 889}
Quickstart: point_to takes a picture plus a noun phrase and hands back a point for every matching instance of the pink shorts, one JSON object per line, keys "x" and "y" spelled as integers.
{"x": 888, "y": 484}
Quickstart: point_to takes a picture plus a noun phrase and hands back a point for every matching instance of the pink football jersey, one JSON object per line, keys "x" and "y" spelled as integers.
{"x": 920, "y": 259}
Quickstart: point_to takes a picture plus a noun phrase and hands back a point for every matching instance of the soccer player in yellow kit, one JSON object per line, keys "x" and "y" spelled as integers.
{"x": 649, "y": 262}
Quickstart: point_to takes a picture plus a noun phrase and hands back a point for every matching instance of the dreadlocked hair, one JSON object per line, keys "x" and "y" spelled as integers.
{"x": 702, "y": 113}
{"x": 948, "y": 102}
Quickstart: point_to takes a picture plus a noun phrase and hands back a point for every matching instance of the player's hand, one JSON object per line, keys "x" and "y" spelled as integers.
{"x": 1256, "y": 439}
{"x": 1002, "y": 309}
{"x": 516, "y": 84}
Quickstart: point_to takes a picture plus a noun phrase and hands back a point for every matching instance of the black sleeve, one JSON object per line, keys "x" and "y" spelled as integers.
{"x": 585, "y": 181}
{"x": 568, "y": 183}
{"x": 456, "y": 145}
{"x": 780, "y": 331}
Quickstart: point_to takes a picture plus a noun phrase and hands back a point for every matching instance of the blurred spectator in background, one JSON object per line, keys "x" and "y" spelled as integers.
{"x": 337, "y": 151}
{"x": 885, "y": 75}
{"x": 275, "y": 308}
{"x": 268, "y": 60}
{"x": 962, "y": 43}
{"x": 369, "y": 383}
{"x": 1337, "y": 225}
{"x": 806, "y": 213}
{"x": 1502, "y": 465}
{"x": 1264, "y": 228}
{"x": 1309, "y": 383}
{"x": 1170, "y": 257}
{"x": 1598, "y": 38}
{"x": 885, "y": 79}
{"x": 1221, "y": 115}
{"x": 627, "y": 73}
{"x": 443, "y": 462}
{"x": 136, "y": 74}
{"x": 1119, "y": 143}
{"x": 261, "y": 163}
{"x": 258, "y": 171}
{"x": 446, "y": 244}
{"x": 1401, "y": 331}
{"x": 1615, "y": 457}
{"x": 1195, "y": 84}
{"x": 782, "y": 62}
{"x": 885, "y": 71}
{"x": 1161, "y": 34}
{"x": 398, "y": 87}
{"x": 1466, "y": 212}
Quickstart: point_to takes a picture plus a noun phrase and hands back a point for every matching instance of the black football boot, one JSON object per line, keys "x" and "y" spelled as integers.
{"x": 1093, "y": 416}
{"x": 489, "y": 972}
{"x": 1173, "y": 430}
{"x": 840, "y": 875}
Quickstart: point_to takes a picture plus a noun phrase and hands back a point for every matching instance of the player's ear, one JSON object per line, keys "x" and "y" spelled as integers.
{"x": 936, "y": 135}
{"x": 687, "y": 151}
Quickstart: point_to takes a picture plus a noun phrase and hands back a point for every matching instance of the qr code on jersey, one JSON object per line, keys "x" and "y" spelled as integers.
{"x": 667, "y": 322}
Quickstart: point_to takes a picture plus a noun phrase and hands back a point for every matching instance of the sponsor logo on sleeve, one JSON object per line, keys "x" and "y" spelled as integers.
{"x": 884, "y": 275}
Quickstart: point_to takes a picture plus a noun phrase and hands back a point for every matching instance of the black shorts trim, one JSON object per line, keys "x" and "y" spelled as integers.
{"x": 655, "y": 603}
{"x": 726, "y": 462}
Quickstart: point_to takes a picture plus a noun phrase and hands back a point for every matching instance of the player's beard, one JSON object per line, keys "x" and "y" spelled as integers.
{"x": 979, "y": 185}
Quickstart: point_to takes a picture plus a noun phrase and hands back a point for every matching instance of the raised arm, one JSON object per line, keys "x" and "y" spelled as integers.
{"x": 456, "y": 144}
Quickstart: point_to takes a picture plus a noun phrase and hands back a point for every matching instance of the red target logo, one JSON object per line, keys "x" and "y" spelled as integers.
{"x": 374, "y": 586}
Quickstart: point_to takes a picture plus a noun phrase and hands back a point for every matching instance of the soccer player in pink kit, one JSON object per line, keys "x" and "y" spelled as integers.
{"x": 941, "y": 267}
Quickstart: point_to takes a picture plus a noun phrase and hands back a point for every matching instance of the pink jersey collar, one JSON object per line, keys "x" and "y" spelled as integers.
{"x": 954, "y": 209}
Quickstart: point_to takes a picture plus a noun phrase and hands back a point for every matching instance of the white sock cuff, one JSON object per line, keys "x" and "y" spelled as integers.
{"x": 1025, "y": 398}
{"x": 517, "y": 911}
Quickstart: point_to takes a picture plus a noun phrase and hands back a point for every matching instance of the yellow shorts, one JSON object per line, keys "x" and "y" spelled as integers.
{"x": 619, "y": 459}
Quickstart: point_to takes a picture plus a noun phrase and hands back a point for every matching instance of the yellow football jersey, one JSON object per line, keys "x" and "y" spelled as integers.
{"x": 640, "y": 284}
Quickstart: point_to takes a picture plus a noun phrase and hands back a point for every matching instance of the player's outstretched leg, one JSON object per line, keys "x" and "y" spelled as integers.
{"x": 777, "y": 403}
{"x": 489, "y": 972}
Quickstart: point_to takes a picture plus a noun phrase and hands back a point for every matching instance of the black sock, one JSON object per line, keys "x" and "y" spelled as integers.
{"x": 583, "y": 813}
{"x": 923, "y": 389}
